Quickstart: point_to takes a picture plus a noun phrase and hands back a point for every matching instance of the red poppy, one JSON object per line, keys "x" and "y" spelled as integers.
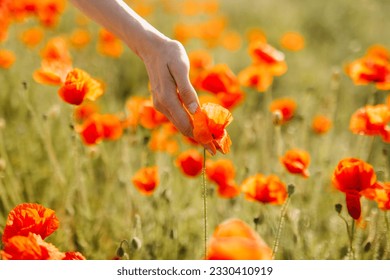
{"x": 162, "y": 139}
{"x": 285, "y": 106}
{"x": 353, "y": 176}
{"x": 30, "y": 247}
{"x": 266, "y": 55}
{"x": 85, "y": 110}
{"x": 235, "y": 240}
{"x": 190, "y": 163}
{"x": 146, "y": 180}
{"x": 265, "y": 189}
{"x": 79, "y": 86}
{"x": 371, "y": 120}
{"x": 209, "y": 123}
{"x": 149, "y": 117}
{"x": 109, "y": 44}
{"x": 220, "y": 171}
{"x": 73, "y": 256}
{"x": 296, "y": 162}
{"x": 256, "y": 76}
{"x": 30, "y": 218}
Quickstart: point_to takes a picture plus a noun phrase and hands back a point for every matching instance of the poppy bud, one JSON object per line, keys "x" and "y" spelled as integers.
{"x": 120, "y": 251}
{"x": 136, "y": 243}
{"x": 277, "y": 117}
{"x": 290, "y": 189}
{"x": 338, "y": 207}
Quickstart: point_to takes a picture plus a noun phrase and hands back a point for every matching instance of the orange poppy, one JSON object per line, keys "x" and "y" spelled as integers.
{"x": 32, "y": 37}
{"x": 371, "y": 120}
{"x": 296, "y": 162}
{"x": 79, "y": 86}
{"x": 146, "y": 180}
{"x": 133, "y": 108}
{"x": 30, "y": 218}
{"x": 373, "y": 67}
{"x": 149, "y": 117}
{"x": 218, "y": 78}
{"x": 108, "y": 44}
{"x": 264, "y": 54}
{"x": 265, "y": 189}
{"x": 29, "y": 247}
{"x": 210, "y": 121}
{"x": 292, "y": 41}
{"x": 56, "y": 49}
{"x": 100, "y": 127}
{"x": 7, "y": 58}
{"x": 162, "y": 139}
{"x": 228, "y": 189}
{"x": 380, "y": 192}
{"x": 321, "y": 124}
{"x": 220, "y": 171}
{"x": 80, "y": 38}
{"x": 353, "y": 176}
{"x": 256, "y": 76}
{"x": 190, "y": 163}
{"x": 285, "y": 106}
{"x": 256, "y": 34}
{"x": 73, "y": 256}
{"x": 235, "y": 240}
{"x": 49, "y": 11}
{"x": 85, "y": 110}
{"x": 231, "y": 40}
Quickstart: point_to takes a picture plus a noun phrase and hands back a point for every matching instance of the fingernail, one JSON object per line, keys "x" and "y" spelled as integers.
{"x": 192, "y": 107}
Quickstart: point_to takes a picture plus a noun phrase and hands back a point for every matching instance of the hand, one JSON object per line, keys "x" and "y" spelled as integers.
{"x": 168, "y": 69}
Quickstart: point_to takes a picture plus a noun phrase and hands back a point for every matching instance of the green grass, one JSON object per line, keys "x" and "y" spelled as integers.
{"x": 90, "y": 188}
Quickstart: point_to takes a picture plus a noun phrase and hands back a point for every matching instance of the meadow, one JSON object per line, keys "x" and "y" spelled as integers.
{"x": 44, "y": 160}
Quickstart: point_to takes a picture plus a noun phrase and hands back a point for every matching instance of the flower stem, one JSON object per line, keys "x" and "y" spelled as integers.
{"x": 204, "y": 202}
{"x": 387, "y": 248}
{"x": 283, "y": 213}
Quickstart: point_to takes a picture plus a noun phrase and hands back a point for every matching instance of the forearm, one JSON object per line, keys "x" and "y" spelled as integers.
{"x": 122, "y": 21}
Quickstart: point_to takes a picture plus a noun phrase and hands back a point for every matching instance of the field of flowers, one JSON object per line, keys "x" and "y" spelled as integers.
{"x": 295, "y": 98}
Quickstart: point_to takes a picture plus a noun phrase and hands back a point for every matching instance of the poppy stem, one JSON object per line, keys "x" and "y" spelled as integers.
{"x": 387, "y": 250}
{"x": 204, "y": 202}
{"x": 283, "y": 213}
{"x": 351, "y": 235}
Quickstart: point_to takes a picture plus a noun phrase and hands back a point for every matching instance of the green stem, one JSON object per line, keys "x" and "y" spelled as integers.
{"x": 387, "y": 250}
{"x": 204, "y": 202}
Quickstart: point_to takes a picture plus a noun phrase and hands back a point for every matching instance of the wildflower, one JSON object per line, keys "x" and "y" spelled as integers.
{"x": 265, "y": 189}
{"x": 73, "y": 256}
{"x": 49, "y": 11}
{"x": 222, "y": 173}
{"x": 286, "y": 106}
{"x": 373, "y": 67}
{"x": 380, "y": 193}
{"x": 79, "y": 86}
{"x": 235, "y": 240}
{"x": 7, "y": 58}
{"x": 149, "y": 117}
{"x": 371, "y": 120}
{"x": 29, "y": 247}
{"x": 32, "y": 37}
{"x": 146, "y": 180}
{"x": 210, "y": 122}
{"x": 321, "y": 124}
{"x": 190, "y": 163}
{"x": 80, "y": 38}
{"x": 292, "y": 41}
{"x": 162, "y": 139}
{"x": 296, "y": 162}
{"x": 30, "y": 218}
{"x": 85, "y": 110}
{"x": 266, "y": 55}
{"x": 133, "y": 108}
{"x": 109, "y": 45}
{"x": 100, "y": 127}
{"x": 353, "y": 176}
{"x": 231, "y": 40}
{"x": 256, "y": 76}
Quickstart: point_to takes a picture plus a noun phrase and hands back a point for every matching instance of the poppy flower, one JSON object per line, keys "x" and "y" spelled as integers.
{"x": 190, "y": 163}
{"x": 373, "y": 67}
{"x": 255, "y": 34}
{"x": 210, "y": 121}
{"x": 292, "y": 41}
{"x": 7, "y": 58}
{"x": 149, "y": 117}
{"x": 371, "y": 120}
{"x": 296, "y": 162}
{"x": 109, "y": 44}
{"x": 32, "y": 37}
{"x": 285, "y": 106}
{"x": 321, "y": 124}
{"x": 256, "y": 76}
{"x": 49, "y": 11}
{"x": 79, "y": 86}
{"x": 146, "y": 180}
{"x": 100, "y": 127}
{"x": 85, "y": 110}
{"x": 133, "y": 109}
{"x": 353, "y": 176}
{"x": 73, "y": 256}
{"x": 265, "y": 189}
{"x": 231, "y": 40}
{"x": 30, "y": 247}
{"x": 222, "y": 173}
{"x": 264, "y": 54}
{"x": 235, "y": 240}
{"x": 56, "y": 49}
{"x": 80, "y": 38}
{"x": 162, "y": 139}
{"x": 30, "y": 218}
